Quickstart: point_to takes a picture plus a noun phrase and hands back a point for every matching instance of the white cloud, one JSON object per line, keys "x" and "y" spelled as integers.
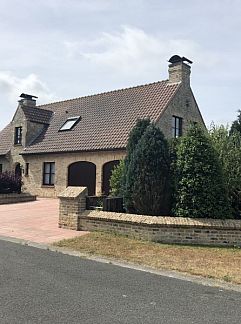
{"x": 132, "y": 51}
{"x": 12, "y": 86}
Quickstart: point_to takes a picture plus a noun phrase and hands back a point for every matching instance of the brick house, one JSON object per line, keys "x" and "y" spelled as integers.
{"x": 78, "y": 141}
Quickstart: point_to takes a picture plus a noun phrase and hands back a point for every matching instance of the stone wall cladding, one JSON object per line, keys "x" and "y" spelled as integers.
{"x": 182, "y": 105}
{"x": 5, "y": 163}
{"x": 16, "y": 198}
{"x": 33, "y": 183}
{"x": 165, "y": 229}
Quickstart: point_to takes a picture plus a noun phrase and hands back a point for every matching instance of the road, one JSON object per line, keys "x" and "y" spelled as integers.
{"x": 39, "y": 286}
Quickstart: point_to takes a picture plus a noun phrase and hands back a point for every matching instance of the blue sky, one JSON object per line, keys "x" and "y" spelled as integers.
{"x": 58, "y": 49}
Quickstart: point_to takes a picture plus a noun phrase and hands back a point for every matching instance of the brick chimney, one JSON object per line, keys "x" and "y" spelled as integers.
{"x": 27, "y": 100}
{"x": 179, "y": 71}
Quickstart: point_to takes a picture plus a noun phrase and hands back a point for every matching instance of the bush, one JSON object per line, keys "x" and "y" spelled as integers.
{"x": 228, "y": 147}
{"x": 200, "y": 184}
{"x": 149, "y": 174}
{"x": 10, "y": 183}
{"x": 116, "y": 179}
{"x": 134, "y": 138}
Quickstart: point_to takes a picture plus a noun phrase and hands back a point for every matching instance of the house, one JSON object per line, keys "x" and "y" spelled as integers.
{"x": 77, "y": 142}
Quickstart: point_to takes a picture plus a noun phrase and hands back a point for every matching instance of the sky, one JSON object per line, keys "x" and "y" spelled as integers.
{"x": 63, "y": 49}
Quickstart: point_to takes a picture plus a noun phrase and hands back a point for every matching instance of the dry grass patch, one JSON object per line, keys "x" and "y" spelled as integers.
{"x": 219, "y": 263}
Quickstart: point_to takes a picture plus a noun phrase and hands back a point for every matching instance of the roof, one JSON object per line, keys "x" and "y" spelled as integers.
{"x": 37, "y": 115}
{"x": 6, "y": 139}
{"x": 106, "y": 118}
{"x": 105, "y": 123}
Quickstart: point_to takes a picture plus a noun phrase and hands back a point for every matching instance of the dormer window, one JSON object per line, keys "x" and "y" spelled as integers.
{"x": 70, "y": 123}
{"x": 18, "y": 135}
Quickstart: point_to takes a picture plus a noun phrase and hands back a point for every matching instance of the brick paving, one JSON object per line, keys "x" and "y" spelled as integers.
{"x": 34, "y": 221}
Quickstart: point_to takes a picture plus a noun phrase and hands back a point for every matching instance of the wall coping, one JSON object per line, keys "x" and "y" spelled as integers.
{"x": 73, "y": 192}
{"x": 15, "y": 195}
{"x": 163, "y": 221}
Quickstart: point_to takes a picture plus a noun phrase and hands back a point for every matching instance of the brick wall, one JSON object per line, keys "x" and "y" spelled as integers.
{"x": 183, "y": 105}
{"x": 72, "y": 205}
{"x": 165, "y": 229}
{"x": 15, "y": 198}
{"x": 33, "y": 183}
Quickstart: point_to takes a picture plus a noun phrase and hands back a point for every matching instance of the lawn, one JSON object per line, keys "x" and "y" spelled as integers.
{"x": 210, "y": 262}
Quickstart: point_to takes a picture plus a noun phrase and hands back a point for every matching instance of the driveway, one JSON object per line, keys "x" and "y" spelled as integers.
{"x": 34, "y": 221}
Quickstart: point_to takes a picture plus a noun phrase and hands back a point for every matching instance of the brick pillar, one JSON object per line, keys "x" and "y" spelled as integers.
{"x": 72, "y": 204}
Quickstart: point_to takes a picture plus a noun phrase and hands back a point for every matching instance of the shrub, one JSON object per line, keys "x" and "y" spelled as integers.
{"x": 116, "y": 179}
{"x": 134, "y": 138}
{"x": 9, "y": 182}
{"x": 228, "y": 147}
{"x": 200, "y": 185}
{"x": 149, "y": 173}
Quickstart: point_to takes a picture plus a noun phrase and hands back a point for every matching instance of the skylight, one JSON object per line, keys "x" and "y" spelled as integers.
{"x": 70, "y": 123}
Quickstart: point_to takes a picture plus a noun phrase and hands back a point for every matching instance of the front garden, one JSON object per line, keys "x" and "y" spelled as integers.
{"x": 197, "y": 175}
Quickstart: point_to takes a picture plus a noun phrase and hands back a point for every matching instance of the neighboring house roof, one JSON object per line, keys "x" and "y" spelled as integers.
{"x": 6, "y": 139}
{"x": 37, "y": 115}
{"x": 106, "y": 118}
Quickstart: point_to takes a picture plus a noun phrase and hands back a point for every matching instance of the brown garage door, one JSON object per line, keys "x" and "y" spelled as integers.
{"x": 82, "y": 174}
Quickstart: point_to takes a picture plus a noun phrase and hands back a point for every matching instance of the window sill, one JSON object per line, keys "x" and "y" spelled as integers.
{"x": 47, "y": 186}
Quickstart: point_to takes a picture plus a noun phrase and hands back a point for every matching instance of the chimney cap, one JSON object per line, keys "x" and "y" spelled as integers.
{"x": 27, "y": 96}
{"x": 178, "y": 59}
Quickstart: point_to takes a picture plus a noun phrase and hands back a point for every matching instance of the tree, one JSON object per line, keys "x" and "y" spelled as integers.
{"x": 200, "y": 185}
{"x": 236, "y": 125}
{"x": 134, "y": 138}
{"x": 149, "y": 173}
{"x": 116, "y": 179}
{"x": 228, "y": 147}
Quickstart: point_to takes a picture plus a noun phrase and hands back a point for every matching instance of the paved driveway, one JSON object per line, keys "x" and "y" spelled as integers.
{"x": 34, "y": 221}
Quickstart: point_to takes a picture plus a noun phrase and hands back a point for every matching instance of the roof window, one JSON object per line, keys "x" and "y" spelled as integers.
{"x": 70, "y": 123}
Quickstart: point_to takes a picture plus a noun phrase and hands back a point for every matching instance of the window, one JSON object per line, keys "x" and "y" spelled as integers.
{"x": 176, "y": 126}
{"x": 70, "y": 123}
{"x": 1, "y": 168}
{"x": 18, "y": 135}
{"x": 26, "y": 169}
{"x": 49, "y": 173}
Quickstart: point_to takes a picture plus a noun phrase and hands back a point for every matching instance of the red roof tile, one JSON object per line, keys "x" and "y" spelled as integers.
{"x": 106, "y": 118}
{"x": 6, "y": 139}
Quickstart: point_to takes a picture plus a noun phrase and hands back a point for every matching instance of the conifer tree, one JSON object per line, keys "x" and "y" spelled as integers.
{"x": 200, "y": 185}
{"x": 236, "y": 125}
{"x": 228, "y": 148}
{"x": 149, "y": 173}
{"x": 134, "y": 138}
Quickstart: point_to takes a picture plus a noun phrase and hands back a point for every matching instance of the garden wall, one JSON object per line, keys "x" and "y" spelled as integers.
{"x": 73, "y": 215}
{"x": 165, "y": 229}
{"x": 14, "y": 198}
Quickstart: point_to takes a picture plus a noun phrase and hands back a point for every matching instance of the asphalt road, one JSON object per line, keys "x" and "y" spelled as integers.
{"x": 39, "y": 286}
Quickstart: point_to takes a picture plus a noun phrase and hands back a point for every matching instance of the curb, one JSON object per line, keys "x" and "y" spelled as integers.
{"x": 215, "y": 283}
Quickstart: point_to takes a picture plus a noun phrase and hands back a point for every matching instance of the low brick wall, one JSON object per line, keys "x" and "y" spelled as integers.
{"x": 72, "y": 204}
{"x": 14, "y": 198}
{"x": 165, "y": 229}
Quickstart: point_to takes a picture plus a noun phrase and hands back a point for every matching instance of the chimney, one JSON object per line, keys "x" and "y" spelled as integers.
{"x": 179, "y": 71}
{"x": 27, "y": 100}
